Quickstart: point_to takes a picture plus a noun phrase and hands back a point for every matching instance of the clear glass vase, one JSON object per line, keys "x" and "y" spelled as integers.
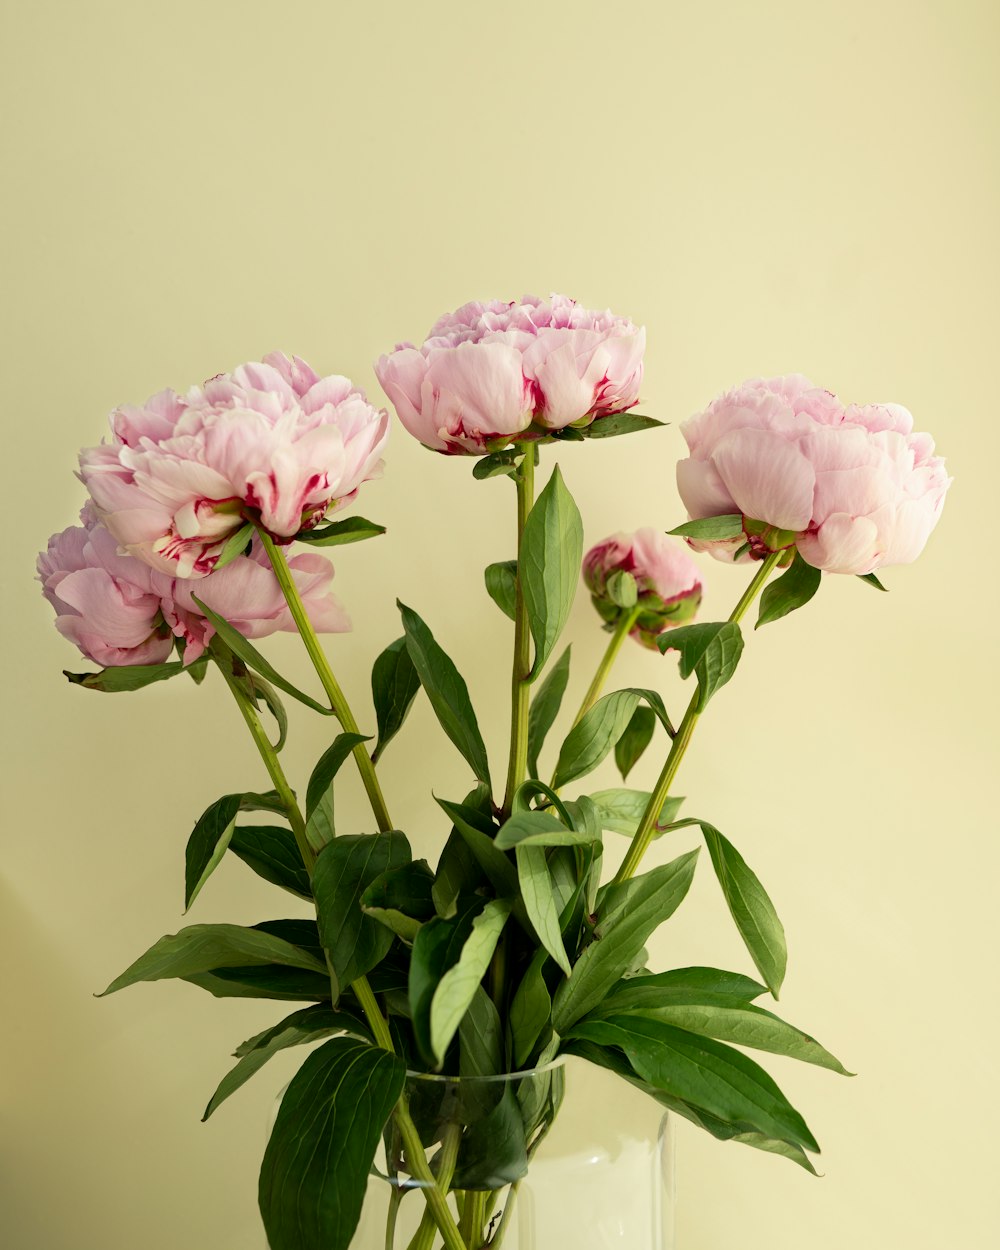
{"x": 558, "y": 1157}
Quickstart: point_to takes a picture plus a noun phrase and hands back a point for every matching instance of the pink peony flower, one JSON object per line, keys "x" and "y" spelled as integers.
{"x": 271, "y": 442}
{"x": 852, "y": 487}
{"x": 667, "y": 580}
{"x": 118, "y": 610}
{"x": 491, "y": 372}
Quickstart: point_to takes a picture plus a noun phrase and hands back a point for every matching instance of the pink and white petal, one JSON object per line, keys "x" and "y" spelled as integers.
{"x": 858, "y": 491}
{"x": 842, "y": 544}
{"x": 768, "y": 478}
{"x": 703, "y": 493}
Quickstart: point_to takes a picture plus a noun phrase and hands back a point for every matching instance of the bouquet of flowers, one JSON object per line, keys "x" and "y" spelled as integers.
{"x": 513, "y": 948}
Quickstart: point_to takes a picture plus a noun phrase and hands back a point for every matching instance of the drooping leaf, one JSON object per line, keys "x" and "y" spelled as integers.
{"x": 456, "y": 988}
{"x": 634, "y": 741}
{"x": 264, "y": 981}
{"x": 208, "y": 842}
{"x": 530, "y": 1010}
{"x": 123, "y": 677}
{"x": 496, "y": 464}
{"x": 711, "y": 528}
{"x": 310, "y": 1024}
{"x": 705, "y": 1073}
{"x": 540, "y": 901}
{"x": 872, "y": 580}
{"x": 273, "y": 854}
{"x": 621, "y": 811}
{"x": 549, "y": 568}
{"x": 334, "y": 1109}
{"x": 352, "y": 529}
{"x": 206, "y": 947}
{"x": 589, "y": 742}
{"x": 252, "y": 658}
{"x": 545, "y": 708}
{"x": 319, "y": 793}
{"x": 394, "y": 687}
{"x": 795, "y": 587}
{"x": 344, "y": 869}
{"x": 627, "y": 914}
{"x": 620, "y": 423}
{"x": 262, "y": 691}
{"x": 501, "y": 585}
{"x": 447, "y": 691}
{"x": 710, "y": 650}
{"x": 750, "y": 907}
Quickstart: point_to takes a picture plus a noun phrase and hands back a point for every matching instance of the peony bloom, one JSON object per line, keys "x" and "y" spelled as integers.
{"x": 667, "y": 580}
{"x": 118, "y": 610}
{"x": 488, "y": 373}
{"x": 852, "y": 487}
{"x": 271, "y": 442}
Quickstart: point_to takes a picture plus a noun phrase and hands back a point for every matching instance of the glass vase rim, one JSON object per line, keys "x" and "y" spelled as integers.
{"x": 523, "y": 1074}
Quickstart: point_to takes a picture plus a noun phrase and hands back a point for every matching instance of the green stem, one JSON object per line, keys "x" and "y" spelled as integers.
{"x": 508, "y": 1214}
{"x": 224, "y": 659}
{"x": 423, "y": 1238}
{"x": 621, "y": 632}
{"x": 380, "y": 1028}
{"x": 473, "y": 1218}
{"x": 517, "y": 765}
{"x": 647, "y": 827}
{"x": 338, "y": 701}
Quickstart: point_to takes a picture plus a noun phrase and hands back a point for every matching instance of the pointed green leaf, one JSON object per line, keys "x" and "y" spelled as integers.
{"x": 236, "y": 545}
{"x": 682, "y": 984}
{"x": 550, "y": 556}
{"x": 344, "y": 869}
{"x": 206, "y": 947}
{"x": 494, "y": 863}
{"x": 621, "y": 810}
{"x": 320, "y": 827}
{"x": 540, "y": 829}
{"x": 264, "y": 981}
{"x": 530, "y": 1010}
{"x": 125, "y": 677}
{"x": 501, "y": 585}
{"x": 711, "y": 650}
{"x": 401, "y": 899}
{"x": 540, "y": 901}
{"x": 447, "y": 692}
{"x": 310, "y": 1024}
{"x": 334, "y": 1109}
{"x": 750, "y": 907}
{"x": 480, "y": 1038}
{"x": 497, "y": 464}
{"x": 262, "y": 691}
{"x": 619, "y": 423}
{"x": 273, "y": 854}
{"x": 545, "y": 708}
{"x": 627, "y": 914}
{"x": 394, "y": 687}
{"x": 795, "y": 587}
{"x": 872, "y": 580}
{"x": 458, "y": 985}
{"x": 458, "y": 872}
{"x": 208, "y": 843}
{"x": 437, "y": 948}
{"x": 711, "y": 528}
{"x": 590, "y": 741}
{"x": 636, "y": 738}
{"x": 352, "y": 529}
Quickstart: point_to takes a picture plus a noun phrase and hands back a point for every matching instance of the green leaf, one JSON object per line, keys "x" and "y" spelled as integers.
{"x": 264, "y": 981}
{"x": 437, "y": 947}
{"x": 471, "y": 826}
{"x": 262, "y": 691}
{"x": 550, "y": 556}
{"x": 620, "y": 423}
{"x": 540, "y": 829}
{"x": 334, "y": 1109}
{"x": 401, "y": 898}
{"x": 598, "y": 730}
{"x": 310, "y": 1024}
{"x": 627, "y": 914}
{"x": 636, "y": 738}
{"x": 872, "y": 580}
{"x": 458, "y": 985}
{"x": 319, "y": 792}
{"x": 493, "y": 1153}
{"x": 353, "y": 529}
{"x": 621, "y": 810}
{"x": 208, "y": 842}
{"x": 501, "y": 585}
{"x": 458, "y": 872}
{"x": 711, "y": 528}
{"x": 207, "y": 947}
{"x": 344, "y": 869}
{"x": 496, "y": 464}
{"x": 480, "y": 1038}
{"x": 750, "y": 907}
{"x": 530, "y": 1010}
{"x": 545, "y": 708}
{"x": 795, "y": 587}
{"x": 683, "y": 984}
{"x": 252, "y": 658}
{"x": 711, "y": 650}
{"x": 447, "y": 692}
{"x": 786, "y": 1149}
{"x": 622, "y": 590}
{"x": 540, "y": 902}
{"x": 272, "y": 853}
{"x": 394, "y": 687}
{"x": 124, "y": 677}
{"x": 722, "y": 1081}
{"x": 236, "y": 544}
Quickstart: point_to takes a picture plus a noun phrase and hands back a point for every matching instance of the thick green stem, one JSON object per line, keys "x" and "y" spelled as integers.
{"x": 647, "y": 827}
{"x": 338, "y": 702}
{"x": 473, "y": 1218}
{"x": 517, "y": 765}
{"x": 419, "y": 1169}
{"x": 423, "y": 1238}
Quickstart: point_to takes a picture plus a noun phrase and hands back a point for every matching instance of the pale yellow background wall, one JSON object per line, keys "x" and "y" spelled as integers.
{"x": 767, "y": 187}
